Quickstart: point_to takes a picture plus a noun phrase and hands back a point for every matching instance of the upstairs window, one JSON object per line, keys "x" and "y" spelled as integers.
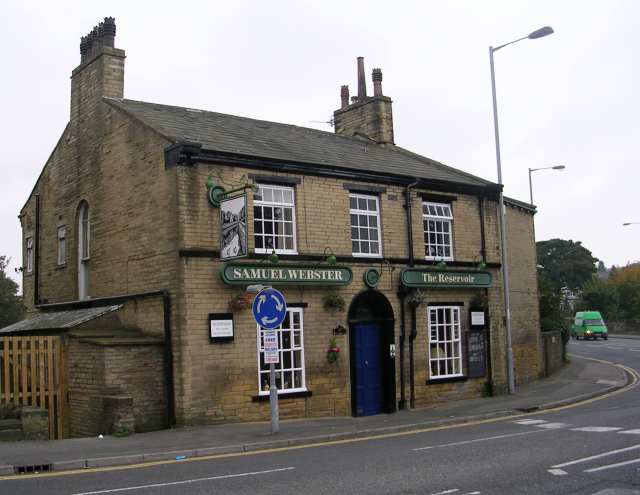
{"x": 62, "y": 245}
{"x": 437, "y": 219}
{"x": 364, "y": 211}
{"x": 29, "y": 255}
{"x": 85, "y": 234}
{"x": 274, "y": 220}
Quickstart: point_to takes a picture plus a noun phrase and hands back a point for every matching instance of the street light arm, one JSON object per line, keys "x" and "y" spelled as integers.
{"x": 507, "y": 44}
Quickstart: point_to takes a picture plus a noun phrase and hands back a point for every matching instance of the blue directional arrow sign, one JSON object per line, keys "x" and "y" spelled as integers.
{"x": 269, "y": 308}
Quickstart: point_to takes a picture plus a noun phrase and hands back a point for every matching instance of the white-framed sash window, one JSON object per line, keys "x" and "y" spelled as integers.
{"x": 274, "y": 220}
{"x": 437, "y": 219}
{"x": 290, "y": 371}
{"x": 364, "y": 212}
{"x": 29, "y": 254}
{"x": 445, "y": 342}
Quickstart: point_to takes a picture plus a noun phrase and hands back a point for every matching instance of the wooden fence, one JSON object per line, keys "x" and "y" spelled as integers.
{"x": 32, "y": 373}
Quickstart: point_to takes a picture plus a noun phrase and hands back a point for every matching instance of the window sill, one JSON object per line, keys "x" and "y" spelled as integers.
{"x": 269, "y": 251}
{"x": 283, "y": 395}
{"x": 438, "y": 259}
{"x": 449, "y": 379}
{"x": 61, "y": 267}
{"x": 366, "y": 255}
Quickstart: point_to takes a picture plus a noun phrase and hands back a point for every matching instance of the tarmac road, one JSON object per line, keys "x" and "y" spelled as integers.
{"x": 592, "y": 448}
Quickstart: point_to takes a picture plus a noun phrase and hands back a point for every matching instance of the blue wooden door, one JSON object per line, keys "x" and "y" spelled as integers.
{"x": 368, "y": 369}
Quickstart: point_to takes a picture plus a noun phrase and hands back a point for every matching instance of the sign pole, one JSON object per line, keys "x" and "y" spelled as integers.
{"x": 273, "y": 400}
{"x": 269, "y": 310}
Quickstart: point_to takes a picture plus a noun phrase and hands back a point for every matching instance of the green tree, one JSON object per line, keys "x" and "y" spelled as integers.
{"x": 565, "y": 263}
{"x": 11, "y": 308}
{"x": 550, "y": 314}
{"x": 600, "y": 295}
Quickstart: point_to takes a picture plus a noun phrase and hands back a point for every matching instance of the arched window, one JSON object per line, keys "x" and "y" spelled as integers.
{"x": 84, "y": 253}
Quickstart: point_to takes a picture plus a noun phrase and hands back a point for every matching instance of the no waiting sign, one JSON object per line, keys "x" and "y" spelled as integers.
{"x": 270, "y": 343}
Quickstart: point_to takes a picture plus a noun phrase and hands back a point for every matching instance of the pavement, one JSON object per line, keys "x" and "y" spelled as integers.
{"x": 579, "y": 380}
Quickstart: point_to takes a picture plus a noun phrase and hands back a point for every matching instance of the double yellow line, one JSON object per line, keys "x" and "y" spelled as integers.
{"x": 635, "y": 381}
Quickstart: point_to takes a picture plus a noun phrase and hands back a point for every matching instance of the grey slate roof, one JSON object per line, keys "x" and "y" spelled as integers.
{"x": 58, "y": 320}
{"x": 259, "y": 138}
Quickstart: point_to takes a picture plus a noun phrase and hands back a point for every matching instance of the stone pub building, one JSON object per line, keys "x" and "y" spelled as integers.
{"x": 389, "y": 262}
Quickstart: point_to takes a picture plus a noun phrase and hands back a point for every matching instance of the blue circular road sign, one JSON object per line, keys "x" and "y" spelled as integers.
{"x": 269, "y": 308}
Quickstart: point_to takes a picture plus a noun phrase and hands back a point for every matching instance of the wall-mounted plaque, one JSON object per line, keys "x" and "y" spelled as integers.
{"x": 477, "y": 318}
{"x": 233, "y": 227}
{"x": 220, "y": 327}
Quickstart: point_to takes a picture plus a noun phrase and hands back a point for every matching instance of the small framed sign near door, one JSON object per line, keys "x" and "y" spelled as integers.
{"x": 220, "y": 327}
{"x": 233, "y": 227}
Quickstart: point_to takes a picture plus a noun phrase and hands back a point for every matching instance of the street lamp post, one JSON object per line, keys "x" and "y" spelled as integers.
{"x": 557, "y": 167}
{"x": 545, "y": 31}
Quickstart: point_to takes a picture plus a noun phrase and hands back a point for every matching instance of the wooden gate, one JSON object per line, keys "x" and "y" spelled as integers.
{"x": 32, "y": 373}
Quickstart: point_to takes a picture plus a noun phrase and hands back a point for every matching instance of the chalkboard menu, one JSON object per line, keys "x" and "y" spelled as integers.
{"x": 476, "y": 353}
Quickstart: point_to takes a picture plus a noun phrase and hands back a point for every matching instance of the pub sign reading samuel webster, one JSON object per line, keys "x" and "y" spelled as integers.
{"x": 233, "y": 227}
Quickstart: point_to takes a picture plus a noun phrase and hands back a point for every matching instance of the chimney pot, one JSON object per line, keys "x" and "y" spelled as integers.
{"x": 84, "y": 48}
{"x": 344, "y": 96}
{"x": 362, "y": 85}
{"x": 109, "y": 31}
{"x": 376, "y": 76}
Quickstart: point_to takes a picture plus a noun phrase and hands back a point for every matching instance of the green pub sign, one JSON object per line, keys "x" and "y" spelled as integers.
{"x": 416, "y": 277}
{"x": 246, "y": 273}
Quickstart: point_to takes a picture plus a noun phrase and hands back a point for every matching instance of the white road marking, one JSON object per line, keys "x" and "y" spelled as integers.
{"x": 173, "y": 483}
{"x": 453, "y": 490}
{"x": 598, "y": 456}
{"x": 530, "y": 421}
{"x": 553, "y": 426}
{"x": 611, "y": 466}
{"x": 597, "y": 429}
{"x": 557, "y": 472}
{"x": 614, "y": 347}
{"x": 630, "y": 432}
{"x": 634, "y": 350}
{"x": 607, "y": 382}
{"x": 465, "y": 442}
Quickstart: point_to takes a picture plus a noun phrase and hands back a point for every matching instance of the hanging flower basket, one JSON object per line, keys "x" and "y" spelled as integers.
{"x": 242, "y": 300}
{"x": 333, "y": 302}
{"x": 333, "y": 351}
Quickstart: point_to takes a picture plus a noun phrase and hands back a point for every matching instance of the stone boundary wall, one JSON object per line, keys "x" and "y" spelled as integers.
{"x": 627, "y": 327}
{"x": 552, "y": 348}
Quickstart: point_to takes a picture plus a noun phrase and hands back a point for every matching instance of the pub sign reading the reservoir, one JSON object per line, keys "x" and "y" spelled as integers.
{"x": 415, "y": 277}
{"x": 244, "y": 273}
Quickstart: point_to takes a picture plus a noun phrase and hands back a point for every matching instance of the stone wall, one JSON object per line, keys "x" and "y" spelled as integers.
{"x": 552, "y": 352}
{"x": 99, "y": 372}
{"x": 523, "y": 282}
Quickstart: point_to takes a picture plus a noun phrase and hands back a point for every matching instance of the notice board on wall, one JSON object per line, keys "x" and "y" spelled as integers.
{"x": 476, "y": 353}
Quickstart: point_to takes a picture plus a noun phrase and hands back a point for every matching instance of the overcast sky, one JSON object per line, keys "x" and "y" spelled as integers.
{"x": 567, "y": 99}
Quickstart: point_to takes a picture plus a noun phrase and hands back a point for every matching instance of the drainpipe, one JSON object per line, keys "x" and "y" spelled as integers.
{"x": 483, "y": 253}
{"x": 414, "y": 332}
{"x": 402, "y": 293}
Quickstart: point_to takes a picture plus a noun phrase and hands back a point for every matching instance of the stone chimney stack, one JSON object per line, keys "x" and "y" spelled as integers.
{"x": 368, "y": 116}
{"x": 100, "y": 73}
